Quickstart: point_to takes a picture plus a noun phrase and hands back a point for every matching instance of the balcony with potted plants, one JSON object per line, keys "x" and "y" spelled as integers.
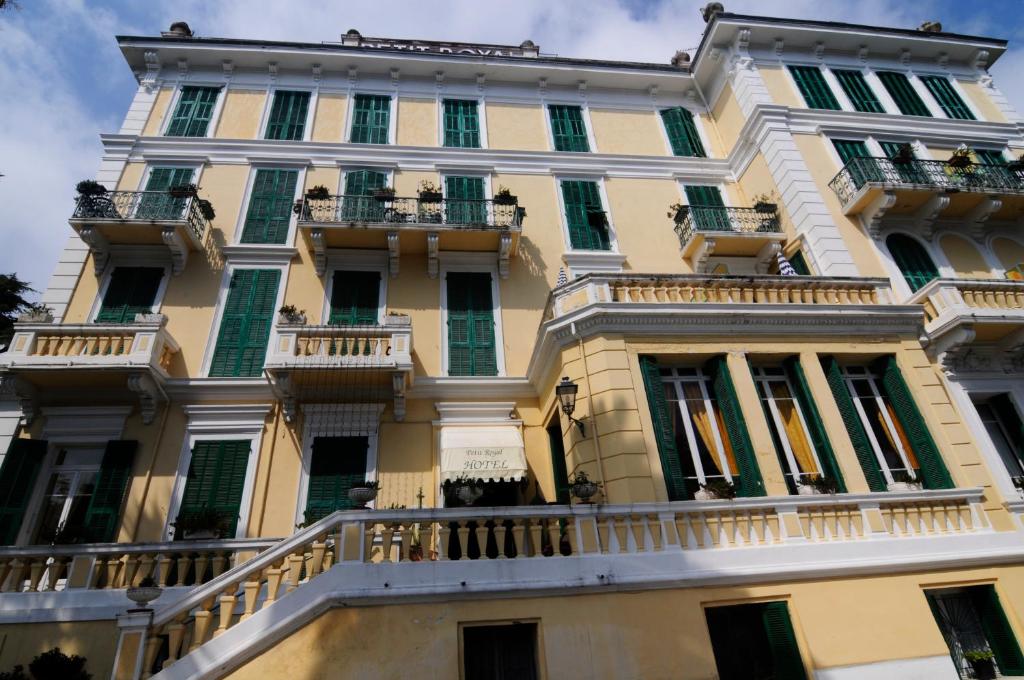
{"x": 423, "y": 224}
{"x": 176, "y": 218}
{"x": 723, "y": 231}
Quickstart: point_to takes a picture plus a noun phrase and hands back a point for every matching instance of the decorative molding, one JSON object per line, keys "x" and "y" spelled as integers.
{"x": 179, "y": 251}
{"x": 319, "y": 247}
{"x": 226, "y": 418}
{"x": 905, "y": 57}
{"x": 874, "y": 214}
{"x": 976, "y": 217}
{"x": 924, "y": 218}
{"x": 433, "y": 243}
{"x": 272, "y": 70}
{"x": 84, "y": 423}
{"x": 149, "y": 394}
{"x": 98, "y": 246}
{"x": 258, "y": 255}
{"x": 504, "y": 253}
{"x": 182, "y": 68}
{"x": 943, "y": 60}
{"x": 459, "y": 412}
{"x": 393, "y": 253}
{"x": 150, "y": 80}
{"x": 24, "y": 392}
{"x": 980, "y": 60}
{"x": 862, "y": 54}
{"x": 703, "y": 252}
{"x": 481, "y": 82}
{"x": 353, "y": 75}
{"x": 778, "y": 47}
{"x": 398, "y": 385}
{"x": 228, "y": 68}
{"x": 819, "y": 51}
{"x": 542, "y": 87}
{"x": 767, "y": 256}
{"x": 317, "y": 72}
{"x": 581, "y": 87}
{"x": 394, "y": 73}
{"x": 439, "y": 80}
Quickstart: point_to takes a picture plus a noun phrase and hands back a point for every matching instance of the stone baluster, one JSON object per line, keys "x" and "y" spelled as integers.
{"x": 201, "y": 625}
{"x": 252, "y": 591}
{"x": 274, "y": 576}
{"x": 316, "y": 561}
{"x": 175, "y": 635}
{"x": 443, "y": 536}
{"x": 201, "y": 562}
{"x": 463, "y": 536}
{"x": 183, "y": 564}
{"x": 499, "y": 538}
{"x": 518, "y": 531}
{"x": 295, "y": 562}
{"x": 387, "y": 537}
{"x": 555, "y": 537}
{"x": 227, "y": 601}
{"x": 164, "y": 563}
{"x": 535, "y": 537}
{"x": 481, "y": 537}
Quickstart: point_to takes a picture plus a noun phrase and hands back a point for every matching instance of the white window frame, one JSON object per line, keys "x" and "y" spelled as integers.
{"x": 347, "y": 168}
{"x": 830, "y": 80}
{"x": 195, "y": 166}
{"x": 218, "y": 107}
{"x": 484, "y": 175}
{"x": 33, "y": 515}
{"x": 676, "y": 380}
{"x": 222, "y": 297}
{"x": 330, "y": 420}
{"x": 243, "y": 212}
{"x": 612, "y": 234}
{"x": 872, "y": 377}
{"x": 763, "y": 380}
{"x": 392, "y": 96}
{"x": 220, "y": 423}
{"x": 477, "y": 263}
{"x": 352, "y": 265}
{"x": 584, "y": 113}
{"x": 134, "y": 263}
{"x": 698, "y": 124}
{"x": 268, "y": 106}
{"x": 844, "y": 99}
{"x": 1002, "y": 428}
{"x": 480, "y": 114}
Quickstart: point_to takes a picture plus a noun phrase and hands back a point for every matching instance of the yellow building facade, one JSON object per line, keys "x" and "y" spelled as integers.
{"x": 379, "y": 358}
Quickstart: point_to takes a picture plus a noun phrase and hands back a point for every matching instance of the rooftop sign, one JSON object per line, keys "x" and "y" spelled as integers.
{"x": 526, "y": 49}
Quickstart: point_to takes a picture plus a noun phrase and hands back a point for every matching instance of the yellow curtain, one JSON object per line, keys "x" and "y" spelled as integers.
{"x": 795, "y": 433}
{"x": 701, "y": 421}
{"x": 911, "y": 457}
{"x": 730, "y": 457}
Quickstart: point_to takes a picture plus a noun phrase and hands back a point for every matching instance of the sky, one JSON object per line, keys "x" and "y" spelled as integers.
{"x": 63, "y": 81}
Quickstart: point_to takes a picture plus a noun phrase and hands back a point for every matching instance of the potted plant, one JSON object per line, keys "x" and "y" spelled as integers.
{"x": 468, "y": 490}
{"x": 289, "y": 314}
{"x": 93, "y": 200}
{"x": 505, "y": 197}
{"x": 716, "y": 489}
{"x": 183, "y": 191}
{"x": 203, "y": 524}
{"x": 982, "y": 663}
{"x": 902, "y": 481}
{"x": 88, "y": 187}
{"x": 764, "y": 203}
{"x": 429, "y": 193}
{"x": 582, "y": 487}
{"x": 362, "y": 493}
{"x": 205, "y": 209}
{"x": 36, "y": 314}
{"x": 961, "y": 158}
{"x": 904, "y": 154}
{"x": 318, "y": 193}
{"x": 384, "y": 194}
{"x": 678, "y": 212}
{"x": 144, "y": 593}
{"x": 819, "y": 485}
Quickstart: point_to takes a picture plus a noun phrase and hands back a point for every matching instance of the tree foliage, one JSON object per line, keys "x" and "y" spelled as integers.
{"x": 12, "y": 303}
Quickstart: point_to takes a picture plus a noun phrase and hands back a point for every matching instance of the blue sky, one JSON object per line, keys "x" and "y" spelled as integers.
{"x": 63, "y": 81}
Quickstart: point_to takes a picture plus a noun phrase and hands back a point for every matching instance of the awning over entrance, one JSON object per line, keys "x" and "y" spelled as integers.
{"x": 494, "y": 453}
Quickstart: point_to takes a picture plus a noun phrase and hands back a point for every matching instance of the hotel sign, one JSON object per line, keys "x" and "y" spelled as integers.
{"x": 447, "y": 48}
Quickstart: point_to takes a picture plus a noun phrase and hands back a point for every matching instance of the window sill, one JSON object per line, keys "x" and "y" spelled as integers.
{"x": 582, "y": 262}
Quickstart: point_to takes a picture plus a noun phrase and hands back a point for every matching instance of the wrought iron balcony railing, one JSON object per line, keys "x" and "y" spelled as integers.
{"x": 696, "y": 218}
{"x": 142, "y": 206}
{"x": 458, "y": 213}
{"x": 925, "y": 173}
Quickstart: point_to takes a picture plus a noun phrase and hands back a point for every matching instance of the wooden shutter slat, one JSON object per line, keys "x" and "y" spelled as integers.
{"x": 104, "y": 508}
{"x": 567, "y": 128}
{"x": 998, "y": 631}
{"x": 245, "y": 324}
{"x": 903, "y": 93}
{"x": 471, "y": 341}
{"x": 579, "y": 198}
{"x": 948, "y": 99}
{"x": 336, "y": 465}
{"x": 750, "y": 482}
{"x": 194, "y": 111}
{"x": 288, "y": 115}
{"x": 216, "y": 480}
{"x": 461, "y": 123}
{"x": 17, "y": 480}
{"x": 270, "y": 206}
{"x": 354, "y": 297}
{"x": 671, "y": 466}
{"x": 782, "y": 640}
{"x": 812, "y": 85}
{"x": 854, "y": 427}
{"x": 817, "y": 431}
{"x": 464, "y": 200}
{"x": 857, "y": 89}
{"x": 682, "y": 132}
{"x": 370, "y": 120}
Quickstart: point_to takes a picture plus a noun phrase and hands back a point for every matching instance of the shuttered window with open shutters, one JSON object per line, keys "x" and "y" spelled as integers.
{"x": 464, "y": 200}
{"x": 949, "y": 100}
{"x": 355, "y": 298}
{"x": 194, "y": 112}
{"x": 584, "y": 215}
{"x": 749, "y": 482}
{"x": 854, "y": 427}
{"x": 857, "y": 89}
{"x": 156, "y": 203}
{"x": 245, "y": 326}
{"x": 913, "y": 261}
{"x": 662, "y": 418}
{"x": 104, "y": 511}
{"x": 17, "y": 479}
{"x": 754, "y": 641}
{"x": 359, "y": 204}
{"x": 815, "y": 425}
{"x": 816, "y": 92}
{"x": 567, "y": 128}
{"x": 270, "y": 206}
{"x": 461, "y": 123}
{"x": 371, "y": 119}
{"x": 216, "y": 480}
{"x": 973, "y": 619}
{"x": 707, "y": 208}
{"x": 337, "y": 464}
{"x": 997, "y": 630}
{"x": 131, "y": 291}
{"x": 682, "y": 132}
{"x": 471, "y": 336}
{"x": 288, "y": 115}
{"x": 903, "y": 93}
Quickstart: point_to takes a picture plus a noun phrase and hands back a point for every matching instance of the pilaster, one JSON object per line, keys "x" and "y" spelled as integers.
{"x": 757, "y": 425}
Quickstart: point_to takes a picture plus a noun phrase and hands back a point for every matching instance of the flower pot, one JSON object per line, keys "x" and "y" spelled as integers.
{"x": 384, "y": 196}
{"x": 681, "y": 214}
{"x": 201, "y": 535}
{"x": 960, "y": 162}
{"x": 143, "y": 595}
{"x": 584, "y": 491}
{"x": 361, "y": 495}
{"x": 984, "y": 669}
{"x": 431, "y": 196}
{"x": 704, "y": 495}
{"x": 469, "y": 494}
{"x": 285, "y": 319}
{"x": 904, "y": 486}
{"x": 807, "y": 490}
{"x": 766, "y": 207}
{"x": 506, "y": 200}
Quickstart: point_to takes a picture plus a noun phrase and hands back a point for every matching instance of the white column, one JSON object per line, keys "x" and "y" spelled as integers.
{"x": 65, "y": 277}
{"x": 998, "y": 98}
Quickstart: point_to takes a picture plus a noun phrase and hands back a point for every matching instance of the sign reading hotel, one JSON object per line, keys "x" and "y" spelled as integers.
{"x": 528, "y": 49}
{"x": 484, "y": 459}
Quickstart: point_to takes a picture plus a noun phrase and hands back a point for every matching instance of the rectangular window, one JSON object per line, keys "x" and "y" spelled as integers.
{"x": 585, "y": 216}
{"x": 17, "y": 479}
{"x": 948, "y": 98}
{"x": 903, "y": 93}
{"x": 857, "y": 89}
{"x": 979, "y": 636}
{"x": 790, "y": 433}
{"x": 131, "y": 291}
{"x": 502, "y": 652}
{"x": 754, "y": 641}
{"x": 811, "y": 83}
{"x": 70, "y": 485}
{"x": 156, "y": 203}
{"x": 461, "y": 123}
{"x": 1005, "y": 429}
{"x": 858, "y": 161}
{"x": 336, "y": 465}
{"x": 464, "y": 200}
{"x": 371, "y": 119}
{"x": 245, "y": 327}
{"x": 558, "y": 467}
{"x": 194, "y": 111}
{"x": 682, "y": 132}
{"x": 471, "y": 336}
{"x": 215, "y": 484}
{"x": 567, "y": 128}
{"x": 355, "y": 298}
{"x": 270, "y": 206}
{"x": 707, "y": 208}
{"x": 288, "y": 115}
{"x": 359, "y": 205}
{"x": 907, "y": 170}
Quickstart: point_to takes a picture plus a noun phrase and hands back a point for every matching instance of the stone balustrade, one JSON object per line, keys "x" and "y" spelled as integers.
{"x": 387, "y": 345}
{"x": 943, "y": 299}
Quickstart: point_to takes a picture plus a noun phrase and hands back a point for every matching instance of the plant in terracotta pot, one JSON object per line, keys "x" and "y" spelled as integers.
{"x": 582, "y": 487}
{"x": 145, "y": 592}
{"x": 205, "y": 209}
{"x": 505, "y": 197}
{"x": 202, "y": 524}
{"x": 289, "y": 314}
{"x": 765, "y": 203}
{"x": 982, "y": 663}
{"x": 821, "y": 484}
{"x": 183, "y": 191}
{"x": 678, "y": 212}
{"x": 961, "y": 158}
{"x": 362, "y": 493}
{"x": 318, "y": 193}
{"x": 716, "y": 489}
{"x": 384, "y": 194}
{"x": 429, "y": 193}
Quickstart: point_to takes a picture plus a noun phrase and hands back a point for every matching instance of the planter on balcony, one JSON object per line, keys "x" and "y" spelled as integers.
{"x": 904, "y": 486}
{"x": 583, "y": 488}
{"x": 431, "y": 196}
{"x": 144, "y": 593}
{"x": 505, "y": 199}
{"x": 384, "y": 195}
{"x": 363, "y": 493}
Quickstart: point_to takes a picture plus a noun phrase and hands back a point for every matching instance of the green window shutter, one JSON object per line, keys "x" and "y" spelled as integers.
{"x": 933, "y": 471}
{"x": 216, "y": 480}
{"x": 782, "y": 640}
{"x": 661, "y": 417}
{"x": 903, "y": 93}
{"x": 245, "y": 326}
{"x": 811, "y": 83}
{"x": 858, "y": 90}
{"x": 370, "y": 119}
{"x": 580, "y": 198}
{"x": 558, "y": 469}
{"x": 749, "y": 483}
{"x": 131, "y": 291}
{"x": 990, "y": 156}
{"x": 913, "y": 261}
{"x": 471, "y": 343}
{"x": 288, "y": 115}
{"x": 949, "y": 101}
{"x": 854, "y": 427}
{"x": 355, "y": 298}
{"x": 850, "y": 149}
{"x": 706, "y": 207}
{"x": 194, "y": 112}
{"x": 156, "y": 203}
{"x": 338, "y": 464}
{"x": 997, "y": 629}
{"x": 815, "y": 426}
{"x": 908, "y": 172}
{"x": 682, "y": 132}
{"x": 799, "y": 264}
{"x": 17, "y": 480}
{"x": 464, "y": 200}
{"x": 270, "y": 206}
{"x": 856, "y": 158}
{"x": 461, "y": 123}
{"x": 1007, "y": 414}
{"x": 105, "y": 504}
{"x": 359, "y": 204}
{"x": 567, "y": 128}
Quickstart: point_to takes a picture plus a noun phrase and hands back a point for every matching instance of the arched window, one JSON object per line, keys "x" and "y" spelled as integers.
{"x": 913, "y": 260}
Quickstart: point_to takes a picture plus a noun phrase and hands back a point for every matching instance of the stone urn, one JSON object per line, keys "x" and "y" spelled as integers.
{"x": 584, "y": 491}
{"x": 143, "y": 595}
{"x": 361, "y": 495}
{"x": 469, "y": 493}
